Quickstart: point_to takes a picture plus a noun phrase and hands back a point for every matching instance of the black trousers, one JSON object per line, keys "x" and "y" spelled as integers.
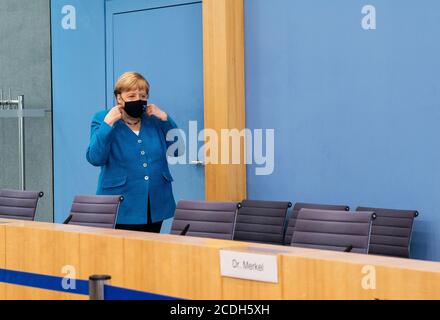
{"x": 149, "y": 227}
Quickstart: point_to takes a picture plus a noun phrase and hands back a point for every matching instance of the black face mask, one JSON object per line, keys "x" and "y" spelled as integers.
{"x": 135, "y": 109}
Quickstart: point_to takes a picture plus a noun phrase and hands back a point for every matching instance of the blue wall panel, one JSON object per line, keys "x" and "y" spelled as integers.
{"x": 356, "y": 112}
{"x": 78, "y": 92}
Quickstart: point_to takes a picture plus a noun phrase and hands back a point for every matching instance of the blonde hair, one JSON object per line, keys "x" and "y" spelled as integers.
{"x": 131, "y": 81}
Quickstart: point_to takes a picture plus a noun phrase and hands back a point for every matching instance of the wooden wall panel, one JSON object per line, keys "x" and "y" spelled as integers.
{"x": 173, "y": 269}
{"x": 223, "y": 44}
{"x": 102, "y": 255}
{"x": 306, "y": 278}
{"x": 312, "y": 278}
{"x": 39, "y": 251}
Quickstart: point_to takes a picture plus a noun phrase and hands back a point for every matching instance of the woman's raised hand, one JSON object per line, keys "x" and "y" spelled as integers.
{"x": 154, "y": 110}
{"x": 114, "y": 115}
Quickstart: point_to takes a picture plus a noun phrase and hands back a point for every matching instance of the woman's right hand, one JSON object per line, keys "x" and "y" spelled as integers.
{"x": 114, "y": 115}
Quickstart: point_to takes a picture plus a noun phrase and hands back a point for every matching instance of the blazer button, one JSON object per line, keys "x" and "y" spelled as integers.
{"x": 145, "y": 165}
{"x": 142, "y": 153}
{"x": 147, "y": 178}
{"x": 139, "y": 141}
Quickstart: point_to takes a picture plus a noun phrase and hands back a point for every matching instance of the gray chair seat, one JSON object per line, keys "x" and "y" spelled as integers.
{"x": 94, "y": 211}
{"x": 391, "y": 231}
{"x": 298, "y": 206}
{"x": 333, "y": 230}
{"x": 261, "y": 221}
{"x": 19, "y": 204}
{"x": 205, "y": 219}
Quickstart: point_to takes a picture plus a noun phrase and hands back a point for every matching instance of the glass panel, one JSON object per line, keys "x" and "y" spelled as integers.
{"x": 26, "y": 151}
{"x": 25, "y": 67}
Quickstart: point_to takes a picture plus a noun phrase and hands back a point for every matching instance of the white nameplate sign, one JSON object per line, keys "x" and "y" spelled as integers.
{"x": 249, "y": 266}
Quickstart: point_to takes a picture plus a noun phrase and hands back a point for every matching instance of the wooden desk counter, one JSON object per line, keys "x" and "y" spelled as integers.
{"x": 189, "y": 268}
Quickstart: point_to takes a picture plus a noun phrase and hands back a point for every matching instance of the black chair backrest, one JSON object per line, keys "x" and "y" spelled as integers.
{"x": 391, "y": 231}
{"x": 261, "y": 221}
{"x": 94, "y": 211}
{"x": 333, "y": 230}
{"x": 298, "y": 206}
{"x": 205, "y": 219}
{"x": 19, "y": 204}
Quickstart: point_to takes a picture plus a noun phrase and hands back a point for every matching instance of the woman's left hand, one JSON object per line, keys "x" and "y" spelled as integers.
{"x": 154, "y": 110}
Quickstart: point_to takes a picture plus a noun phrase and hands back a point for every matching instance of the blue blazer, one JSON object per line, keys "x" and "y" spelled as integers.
{"x": 134, "y": 166}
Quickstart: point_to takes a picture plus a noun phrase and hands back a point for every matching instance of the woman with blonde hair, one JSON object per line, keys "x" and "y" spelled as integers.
{"x": 129, "y": 144}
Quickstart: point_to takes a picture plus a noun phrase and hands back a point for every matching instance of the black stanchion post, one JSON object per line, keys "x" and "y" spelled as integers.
{"x": 96, "y": 286}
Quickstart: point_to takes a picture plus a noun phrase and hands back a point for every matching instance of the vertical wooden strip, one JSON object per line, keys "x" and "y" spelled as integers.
{"x": 223, "y": 43}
